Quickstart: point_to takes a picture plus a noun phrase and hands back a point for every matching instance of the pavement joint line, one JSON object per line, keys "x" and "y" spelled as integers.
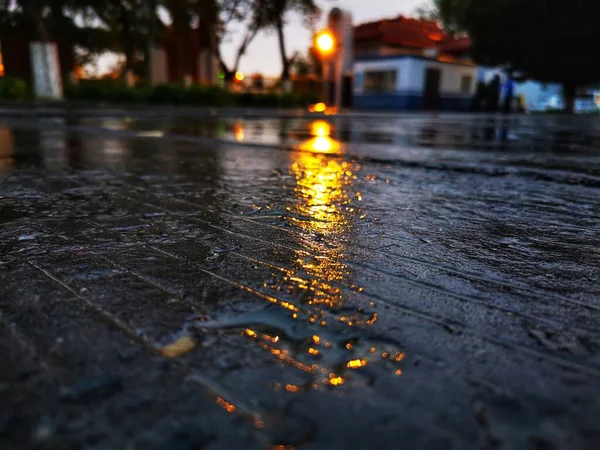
{"x": 144, "y": 340}
{"x": 210, "y": 387}
{"x": 180, "y": 297}
{"x": 406, "y": 279}
{"x": 478, "y": 346}
{"x": 114, "y": 321}
{"x": 253, "y": 291}
{"x": 366, "y": 295}
{"x": 451, "y": 270}
{"x": 414, "y": 282}
{"x": 557, "y": 360}
{"x": 541, "y": 295}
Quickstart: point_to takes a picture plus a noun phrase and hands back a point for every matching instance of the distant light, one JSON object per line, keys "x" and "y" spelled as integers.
{"x": 239, "y": 76}
{"x": 221, "y": 75}
{"x": 238, "y": 131}
{"x": 320, "y": 128}
{"x": 325, "y": 42}
{"x": 356, "y": 363}
{"x": 151, "y": 134}
{"x": 336, "y": 381}
{"x": 318, "y": 107}
{"x": 321, "y": 144}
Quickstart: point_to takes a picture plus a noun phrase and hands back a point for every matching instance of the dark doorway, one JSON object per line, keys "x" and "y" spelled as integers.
{"x": 347, "y": 86}
{"x": 432, "y": 88}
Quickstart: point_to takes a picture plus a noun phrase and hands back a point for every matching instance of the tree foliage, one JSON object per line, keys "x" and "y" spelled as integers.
{"x": 272, "y": 14}
{"x": 546, "y": 40}
{"x": 129, "y": 26}
{"x": 54, "y": 20}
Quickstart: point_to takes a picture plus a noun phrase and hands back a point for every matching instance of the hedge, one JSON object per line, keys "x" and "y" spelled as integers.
{"x": 171, "y": 94}
{"x": 115, "y": 92}
{"x": 13, "y": 89}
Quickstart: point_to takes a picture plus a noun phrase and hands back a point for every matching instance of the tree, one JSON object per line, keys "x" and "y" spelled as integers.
{"x": 545, "y": 40}
{"x": 35, "y": 11}
{"x": 128, "y": 29}
{"x": 301, "y": 65}
{"x": 272, "y": 14}
{"x": 240, "y": 12}
{"x": 53, "y": 20}
{"x": 428, "y": 12}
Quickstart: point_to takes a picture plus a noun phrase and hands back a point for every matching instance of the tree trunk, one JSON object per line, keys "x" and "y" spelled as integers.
{"x": 65, "y": 46}
{"x": 248, "y": 38}
{"x": 151, "y": 7}
{"x": 569, "y": 93}
{"x": 285, "y": 71}
{"x": 128, "y": 45}
{"x": 35, "y": 13}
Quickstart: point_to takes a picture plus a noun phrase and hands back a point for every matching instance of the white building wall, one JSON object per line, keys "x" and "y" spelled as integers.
{"x": 451, "y": 76}
{"x": 416, "y": 77}
{"x": 411, "y": 74}
{"x": 405, "y": 74}
{"x": 393, "y": 64}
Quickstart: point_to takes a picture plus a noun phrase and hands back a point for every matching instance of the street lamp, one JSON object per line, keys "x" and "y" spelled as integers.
{"x": 325, "y": 43}
{"x": 326, "y": 46}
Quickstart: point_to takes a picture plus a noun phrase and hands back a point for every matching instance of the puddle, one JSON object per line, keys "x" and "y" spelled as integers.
{"x": 332, "y": 355}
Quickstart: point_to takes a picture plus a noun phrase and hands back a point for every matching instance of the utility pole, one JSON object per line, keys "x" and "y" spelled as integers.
{"x": 151, "y": 12}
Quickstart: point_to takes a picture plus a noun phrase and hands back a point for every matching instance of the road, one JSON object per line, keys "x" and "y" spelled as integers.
{"x": 352, "y": 281}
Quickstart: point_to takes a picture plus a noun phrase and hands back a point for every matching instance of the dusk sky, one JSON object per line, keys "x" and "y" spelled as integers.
{"x": 263, "y": 54}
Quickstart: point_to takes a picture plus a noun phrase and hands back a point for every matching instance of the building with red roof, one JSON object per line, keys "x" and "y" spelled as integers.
{"x": 406, "y": 63}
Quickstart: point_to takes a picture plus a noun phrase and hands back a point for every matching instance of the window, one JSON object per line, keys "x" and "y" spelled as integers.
{"x": 466, "y": 84}
{"x": 380, "y": 81}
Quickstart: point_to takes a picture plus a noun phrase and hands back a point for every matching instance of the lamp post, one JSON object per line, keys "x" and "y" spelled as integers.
{"x": 334, "y": 45}
{"x": 326, "y": 45}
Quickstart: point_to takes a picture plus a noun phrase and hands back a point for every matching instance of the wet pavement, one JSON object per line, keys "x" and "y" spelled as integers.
{"x": 352, "y": 281}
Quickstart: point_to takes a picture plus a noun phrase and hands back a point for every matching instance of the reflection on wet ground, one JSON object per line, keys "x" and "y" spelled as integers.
{"x": 342, "y": 282}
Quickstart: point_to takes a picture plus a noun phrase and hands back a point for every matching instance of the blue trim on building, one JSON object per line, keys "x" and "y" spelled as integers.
{"x": 410, "y": 101}
{"x": 403, "y": 101}
{"x": 393, "y": 57}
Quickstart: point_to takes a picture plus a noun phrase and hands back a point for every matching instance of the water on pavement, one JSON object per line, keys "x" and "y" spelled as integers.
{"x": 336, "y": 282}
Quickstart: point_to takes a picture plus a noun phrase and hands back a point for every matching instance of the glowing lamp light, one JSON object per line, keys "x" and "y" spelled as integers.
{"x": 325, "y": 42}
{"x": 239, "y": 77}
{"x": 238, "y": 132}
{"x": 322, "y": 141}
{"x": 321, "y": 144}
{"x": 318, "y": 107}
{"x": 320, "y": 128}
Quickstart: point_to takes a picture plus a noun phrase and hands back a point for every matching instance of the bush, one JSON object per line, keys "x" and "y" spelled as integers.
{"x": 113, "y": 91}
{"x": 110, "y": 91}
{"x": 123, "y": 94}
{"x": 217, "y": 96}
{"x": 13, "y": 89}
{"x": 170, "y": 94}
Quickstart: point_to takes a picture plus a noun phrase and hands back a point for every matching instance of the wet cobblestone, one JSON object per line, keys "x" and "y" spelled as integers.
{"x": 338, "y": 282}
